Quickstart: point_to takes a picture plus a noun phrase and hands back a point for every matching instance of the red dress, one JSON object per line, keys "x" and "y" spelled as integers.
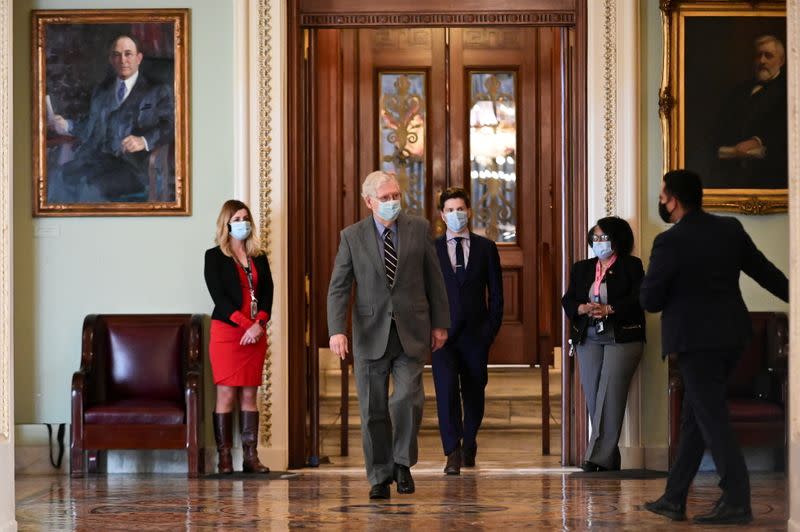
{"x": 231, "y": 363}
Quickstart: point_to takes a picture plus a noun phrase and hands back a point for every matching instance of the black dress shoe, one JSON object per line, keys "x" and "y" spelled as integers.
{"x": 453, "y": 466}
{"x": 676, "y": 512}
{"x": 402, "y": 475}
{"x": 380, "y": 491}
{"x": 589, "y": 467}
{"x": 725, "y": 514}
{"x": 468, "y": 456}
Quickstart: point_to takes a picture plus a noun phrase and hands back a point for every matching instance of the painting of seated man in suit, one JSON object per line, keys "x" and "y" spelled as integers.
{"x": 736, "y": 122}
{"x": 111, "y": 120}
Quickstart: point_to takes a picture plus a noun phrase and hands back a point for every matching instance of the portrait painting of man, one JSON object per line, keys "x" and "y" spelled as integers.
{"x": 735, "y": 102}
{"x": 111, "y": 123}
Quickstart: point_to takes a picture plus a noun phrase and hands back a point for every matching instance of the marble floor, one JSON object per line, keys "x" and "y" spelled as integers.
{"x": 513, "y": 488}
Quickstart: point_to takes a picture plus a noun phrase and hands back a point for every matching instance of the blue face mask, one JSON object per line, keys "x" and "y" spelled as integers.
{"x": 456, "y": 220}
{"x": 240, "y": 230}
{"x": 602, "y": 249}
{"x": 389, "y": 210}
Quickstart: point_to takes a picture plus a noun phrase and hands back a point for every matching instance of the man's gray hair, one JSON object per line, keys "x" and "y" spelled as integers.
{"x": 373, "y": 180}
{"x": 764, "y": 39}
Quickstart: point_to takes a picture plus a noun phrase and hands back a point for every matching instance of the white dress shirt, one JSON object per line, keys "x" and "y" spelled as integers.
{"x": 451, "y": 246}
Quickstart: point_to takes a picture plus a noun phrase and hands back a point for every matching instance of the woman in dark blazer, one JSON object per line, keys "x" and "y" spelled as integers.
{"x": 240, "y": 283}
{"x": 607, "y": 330}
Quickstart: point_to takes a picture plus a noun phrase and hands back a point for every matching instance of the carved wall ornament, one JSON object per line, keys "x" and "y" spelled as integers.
{"x": 265, "y": 193}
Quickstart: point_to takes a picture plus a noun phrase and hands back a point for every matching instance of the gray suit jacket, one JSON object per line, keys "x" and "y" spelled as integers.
{"x": 418, "y": 299}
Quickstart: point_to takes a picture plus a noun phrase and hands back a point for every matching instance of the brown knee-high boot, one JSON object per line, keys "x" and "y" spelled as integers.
{"x": 249, "y": 424}
{"x": 223, "y": 433}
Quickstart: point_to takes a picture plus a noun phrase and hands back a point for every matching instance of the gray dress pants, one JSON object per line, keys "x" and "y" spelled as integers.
{"x": 389, "y": 425}
{"x": 606, "y": 369}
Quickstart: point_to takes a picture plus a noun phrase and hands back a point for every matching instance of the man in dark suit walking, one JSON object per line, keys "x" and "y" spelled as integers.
{"x": 471, "y": 268}
{"x": 693, "y": 279}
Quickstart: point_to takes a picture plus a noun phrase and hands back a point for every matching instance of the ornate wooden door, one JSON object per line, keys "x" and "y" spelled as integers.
{"x": 480, "y": 108}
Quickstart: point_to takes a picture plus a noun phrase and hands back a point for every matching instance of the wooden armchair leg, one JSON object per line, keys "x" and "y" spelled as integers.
{"x": 194, "y": 461}
{"x": 77, "y": 464}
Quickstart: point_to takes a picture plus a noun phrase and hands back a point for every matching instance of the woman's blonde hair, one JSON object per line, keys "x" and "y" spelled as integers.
{"x": 223, "y": 237}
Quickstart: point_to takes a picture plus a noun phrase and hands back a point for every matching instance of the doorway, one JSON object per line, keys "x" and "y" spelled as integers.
{"x": 488, "y": 108}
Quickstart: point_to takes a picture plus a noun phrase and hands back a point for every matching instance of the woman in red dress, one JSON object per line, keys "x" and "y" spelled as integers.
{"x": 240, "y": 282}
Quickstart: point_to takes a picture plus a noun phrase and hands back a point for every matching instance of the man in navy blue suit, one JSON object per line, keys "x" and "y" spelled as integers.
{"x": 471, "y": 269}
{"x": 129, "y": 117}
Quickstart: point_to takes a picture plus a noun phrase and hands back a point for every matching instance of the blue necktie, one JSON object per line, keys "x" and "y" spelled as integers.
{"x": 461, "y": 269}
{"x": 121, "y": 91}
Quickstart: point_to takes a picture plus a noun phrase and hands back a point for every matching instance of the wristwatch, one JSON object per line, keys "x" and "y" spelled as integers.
{"x": 263, "y": 323}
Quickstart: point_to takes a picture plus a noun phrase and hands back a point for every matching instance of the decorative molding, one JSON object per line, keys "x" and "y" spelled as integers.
{"x": 793, "y": 431}
{"x": 6, "y": 311}
{"x": 610, "y": 106}
{"x": 507, "y": 18}
{"x": 265, "y": 191}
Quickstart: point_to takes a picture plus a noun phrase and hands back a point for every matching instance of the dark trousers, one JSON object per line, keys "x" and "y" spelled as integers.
{"x": 460, "y": 376}
{"x": 705, "y": 423}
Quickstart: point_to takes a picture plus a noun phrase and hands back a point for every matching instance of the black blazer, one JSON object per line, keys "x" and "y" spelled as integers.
{"x": 622, "y": 283}
{"x": 222, "y": 280}
{"x": 469, "y": 313}
{"x": 693, "y": 279}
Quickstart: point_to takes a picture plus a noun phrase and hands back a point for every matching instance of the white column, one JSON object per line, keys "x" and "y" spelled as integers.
{"x": 7, "y": 516}
{"x": 793, "y": 41}
{"x": 613, "y": 149}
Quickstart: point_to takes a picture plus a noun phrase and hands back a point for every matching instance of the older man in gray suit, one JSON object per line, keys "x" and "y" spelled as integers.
{"x": 400, "y": 314}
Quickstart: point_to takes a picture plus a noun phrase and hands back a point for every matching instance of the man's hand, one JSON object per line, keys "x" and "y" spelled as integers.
{"x": 338, "y": 344}
{"x": 132, "y": 144}
{"x": 438, "y": 338}
{"x": 252, "y": 334}
{"x": 59, "y": 124}
{"x": 747, "y": 146}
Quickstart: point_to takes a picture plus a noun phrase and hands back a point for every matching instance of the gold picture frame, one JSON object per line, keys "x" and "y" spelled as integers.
{"x": 712, "y": 99}
{"x": 110, "y": 121}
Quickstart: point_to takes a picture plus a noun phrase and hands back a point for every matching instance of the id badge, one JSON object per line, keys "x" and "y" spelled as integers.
{"x": 253, "y": 308}
{"x": 600, "y": 326}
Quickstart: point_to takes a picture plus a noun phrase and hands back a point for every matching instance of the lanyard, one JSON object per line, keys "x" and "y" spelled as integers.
{"x": 600, "y": 273}
{"x": 253, "y": 301}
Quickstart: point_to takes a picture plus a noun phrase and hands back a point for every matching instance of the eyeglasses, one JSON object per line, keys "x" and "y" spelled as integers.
{"x": 601, "y": 238}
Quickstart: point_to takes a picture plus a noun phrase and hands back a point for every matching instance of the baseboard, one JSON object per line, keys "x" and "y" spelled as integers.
{"x": 632, "y": 457}
{"x": 275, "y": 458}
{"x": 656, "y": 458}
{"x": 35, "y": 460}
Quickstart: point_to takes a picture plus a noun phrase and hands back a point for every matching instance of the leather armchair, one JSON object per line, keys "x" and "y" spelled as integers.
{"x": 139, "y": 386}
{"x": 757, "y": 388}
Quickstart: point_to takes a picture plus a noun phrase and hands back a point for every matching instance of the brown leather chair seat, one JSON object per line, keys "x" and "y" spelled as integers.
{"x": 127, "y": 411}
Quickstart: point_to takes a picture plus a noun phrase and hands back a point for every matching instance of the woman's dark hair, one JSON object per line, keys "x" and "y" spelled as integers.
{"x": 619, "y": 233}
{"x": 452, "y": 193}
{"x": 686, "y": 187}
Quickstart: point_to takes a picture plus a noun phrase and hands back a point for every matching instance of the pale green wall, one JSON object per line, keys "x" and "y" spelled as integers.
{"x": 770, "y": 233}
{"x": 97, "y": 265}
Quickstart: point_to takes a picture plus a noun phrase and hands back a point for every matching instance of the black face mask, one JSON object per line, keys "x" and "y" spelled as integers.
{"x": 664, "y": 213}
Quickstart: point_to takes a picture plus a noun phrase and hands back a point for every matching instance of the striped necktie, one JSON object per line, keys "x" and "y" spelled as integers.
{"x": 389, "y": 256}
